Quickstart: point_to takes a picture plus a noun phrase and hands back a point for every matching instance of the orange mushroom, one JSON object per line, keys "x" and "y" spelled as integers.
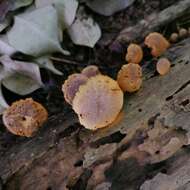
{"x": 157, "y": 42}
{"x": 24, "y": 117}
{"x": 98, "y": 102}
{"x": 129, "y": 77}
{"x": 163, "y": 66}
{"x": 71, "y": 86}
{"x": 134, "y": 54}
{"x": 90, "y": 71}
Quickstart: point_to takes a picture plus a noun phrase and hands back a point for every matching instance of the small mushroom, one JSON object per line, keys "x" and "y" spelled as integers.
{"x": 71, "y": 86}
{"x": 174, "y": 37}
{"x": 134, "y": 54}
{"x": 25, "y": 117}
{"x": 183, "y": 33}
{"x": 98, "y": 102}
{"x": 90, "y": 71}
{"x": 129, "y": 77}
{"x": 163, "y": 66}
{"x": 157, "y": 42}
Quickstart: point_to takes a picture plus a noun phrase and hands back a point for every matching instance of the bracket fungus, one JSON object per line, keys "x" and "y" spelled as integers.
{"x": 129, "y": 77}
{"x": 163, "y": 66}
{"x": 134, "y": 54}
{"x": 98, "y": 102}
{"x": 71, "y": 86}
{"x": 24, "y": 117}
{"x": 90, "y": 71}
{"x": 157, "y": 42}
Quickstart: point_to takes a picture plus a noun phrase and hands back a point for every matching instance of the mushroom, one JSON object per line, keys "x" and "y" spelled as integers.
{"x": 90, "y": 71}
{"x": 183, "y": 33}
{"x": 163, "y": 66}
{"x": 71, "y": 86}
{"x": 98, "y": 102}
{"x": 134, "y": 54}
{"x": 174, "y": 37}
{"x": 24, "y": 117}
{"x": 129, "y": 77}
{"x": 157, "y": 42}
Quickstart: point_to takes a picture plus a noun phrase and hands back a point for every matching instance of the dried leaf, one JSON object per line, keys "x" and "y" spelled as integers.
{"x": 5, "y": 48}
{"x": 108, "y": 7}
{"x": 66, "y": 9}
{"x": 36, "y": 33}
{"x": 3, "y": 103}
{"x": 5, "y": 6}
{"x": 84, "y": 31}
{"x": 21, "y": 3}
{"x": 4, "y": 24}
{"x": 20, "y": 84}
{"x": 46, "y": 63}
{"x": 29, "y": 69}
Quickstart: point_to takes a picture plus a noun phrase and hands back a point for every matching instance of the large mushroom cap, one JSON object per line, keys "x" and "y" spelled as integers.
{"x": 90, "y": 71}
{"x": 24, "y": 117}
{"x": 129, "y": 77}
{"x": 71, "y": 86}
{"x": 134, "y": 54}
{"x": 157, "y": 42}
{"x": 98, "y": 102}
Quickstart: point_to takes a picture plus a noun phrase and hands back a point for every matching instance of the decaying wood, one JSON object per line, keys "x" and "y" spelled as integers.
{"x": 148, "y": 144}
{"x": 152, "y": 130}
{"x": 153, "y": 22}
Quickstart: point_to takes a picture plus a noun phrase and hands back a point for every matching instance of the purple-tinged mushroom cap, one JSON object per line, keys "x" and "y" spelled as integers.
{"x": 90, "y": 71}
{"x": 71, "y": 86}
{"x": 98, "y": 102}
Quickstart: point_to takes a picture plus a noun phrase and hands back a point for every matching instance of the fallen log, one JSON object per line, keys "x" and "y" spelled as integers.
{"x": 152, "y": 130}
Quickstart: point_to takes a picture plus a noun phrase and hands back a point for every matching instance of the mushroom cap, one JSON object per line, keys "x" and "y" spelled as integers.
{"x": 24, "y": 117}
{"x": 157, "y": 42}
{"x": 183, "y": 32}
{"x": 98, "y": 102}
{"x": 71, "y": 86}
{"x": 134, "y": 54}
{"x": 129, "y": 77}
{"x": 90, "y": 71}
{"x": 163, "y": 66}
{"x": 174, "y": 37}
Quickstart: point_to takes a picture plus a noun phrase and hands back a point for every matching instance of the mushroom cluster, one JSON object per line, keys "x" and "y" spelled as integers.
{"x": 129, "y": 77}
{"x": 96, "y": 99}
{"x": 25, "y": 117}
{"x": 180, "y": 34}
